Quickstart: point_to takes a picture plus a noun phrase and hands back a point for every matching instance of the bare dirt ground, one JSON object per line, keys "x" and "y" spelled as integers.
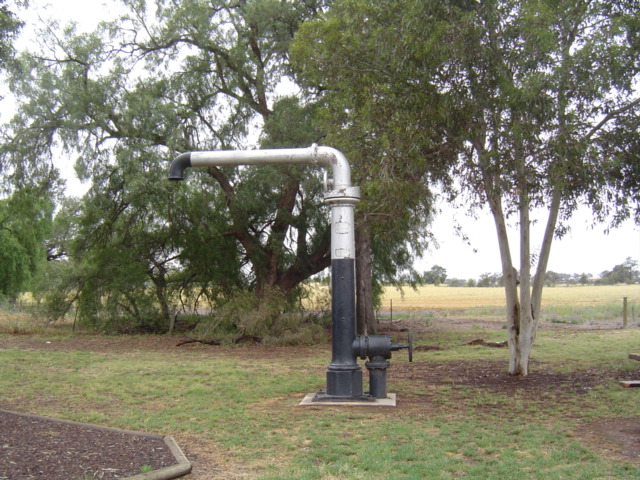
{"x": 617, "y": 439}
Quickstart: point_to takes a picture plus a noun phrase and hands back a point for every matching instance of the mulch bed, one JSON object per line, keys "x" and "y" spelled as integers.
{"x": 39, "y": 448}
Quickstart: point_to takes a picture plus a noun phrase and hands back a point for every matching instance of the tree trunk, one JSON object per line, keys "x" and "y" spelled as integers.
{"x": 160, "y": 287}
{"x": 528, "y": 323}
{"x": 364, "y": 281}
{"x": 545, "y": 251}
{"x": 510, "y": 276}
{"x": 523, "y": 307}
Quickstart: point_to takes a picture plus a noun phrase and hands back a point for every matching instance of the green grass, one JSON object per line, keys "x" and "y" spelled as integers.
{"x": 437, "y": 449}
{"x": 571, "y": 349}
{"x": 244, "y": 401}
{"x": 581, "y": 313}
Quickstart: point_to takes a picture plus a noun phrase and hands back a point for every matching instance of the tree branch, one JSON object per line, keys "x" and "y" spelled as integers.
{"x": 610, "y": 116}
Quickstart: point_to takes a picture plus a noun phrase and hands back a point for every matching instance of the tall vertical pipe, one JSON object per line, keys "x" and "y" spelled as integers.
{"x": 344, "y": 375}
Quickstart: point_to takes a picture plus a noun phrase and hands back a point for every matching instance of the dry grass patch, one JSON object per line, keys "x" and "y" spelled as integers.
{"x": 431, "y": 297}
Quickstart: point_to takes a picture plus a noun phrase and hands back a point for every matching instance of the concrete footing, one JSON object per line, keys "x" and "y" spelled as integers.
{"x": 390, "y": 401}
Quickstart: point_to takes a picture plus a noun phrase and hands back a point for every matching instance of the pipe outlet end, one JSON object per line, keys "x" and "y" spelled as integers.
{"x": 178, "y": 166}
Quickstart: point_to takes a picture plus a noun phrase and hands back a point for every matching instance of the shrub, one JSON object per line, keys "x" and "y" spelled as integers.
{"x": 272, "y": 320}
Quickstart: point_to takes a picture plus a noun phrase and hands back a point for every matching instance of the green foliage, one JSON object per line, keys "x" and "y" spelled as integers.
{"x": 25, "y": 221}
{"x": 272, "y": 319}
{"x": 387, "y": 130}
{"x": 526, "y": 104}
{"x": 291, "y": 125}
{"x": 490, "y": 280}
{"x": 626, "y": 272}
{"x": 435, "y": 276}
{"x": 10, "y": 25}
{"x": 133, "y": 245}
{"x": 123, "y": 100}
{"x": 555, "y": 278}
{"x": 516, "y": 99}
{"x": 56, "y": 289}
{"x": 15, "y": 265}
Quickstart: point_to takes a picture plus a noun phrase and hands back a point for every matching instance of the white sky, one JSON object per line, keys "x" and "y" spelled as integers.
{"x": 585, "y": 248}
{"x": 86, "y": 12}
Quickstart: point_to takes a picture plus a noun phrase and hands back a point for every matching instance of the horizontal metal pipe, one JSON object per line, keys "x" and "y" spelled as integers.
{"x": 327, "y": 157}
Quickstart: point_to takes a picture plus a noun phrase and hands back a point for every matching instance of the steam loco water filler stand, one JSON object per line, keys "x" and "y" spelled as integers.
{"x": 344, "y": 374}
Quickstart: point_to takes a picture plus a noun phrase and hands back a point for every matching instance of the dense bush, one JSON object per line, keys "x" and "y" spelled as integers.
{"x": 272, "y": 320}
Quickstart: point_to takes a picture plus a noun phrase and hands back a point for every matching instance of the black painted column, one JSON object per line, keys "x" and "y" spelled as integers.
{"x": 344, "y": 375}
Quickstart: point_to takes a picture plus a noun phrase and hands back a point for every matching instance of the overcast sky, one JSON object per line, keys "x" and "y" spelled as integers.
{"x": 585, "y": 249}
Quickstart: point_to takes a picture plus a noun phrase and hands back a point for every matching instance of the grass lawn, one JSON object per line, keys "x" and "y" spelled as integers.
{"x": 234, "y": 410}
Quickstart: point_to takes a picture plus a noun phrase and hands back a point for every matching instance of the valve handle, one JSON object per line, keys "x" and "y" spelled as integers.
{"x": 409, "y": 346}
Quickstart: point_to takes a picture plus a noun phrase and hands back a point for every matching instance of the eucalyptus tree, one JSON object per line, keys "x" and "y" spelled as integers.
{"x": 541, "y": 83}
{"x": 538, "y": 97}
{"x": 165, "y": 78}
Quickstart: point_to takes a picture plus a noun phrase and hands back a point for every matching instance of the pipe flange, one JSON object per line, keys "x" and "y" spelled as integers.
{"x": 343, "y": 195}
{"x": 377, "y": 364}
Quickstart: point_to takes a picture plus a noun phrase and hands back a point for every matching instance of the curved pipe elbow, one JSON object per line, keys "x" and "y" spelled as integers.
{"x": 178, "y": 166}
{"x": 338, "y": 162}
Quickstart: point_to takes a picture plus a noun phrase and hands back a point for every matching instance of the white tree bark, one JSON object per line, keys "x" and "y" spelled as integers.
{"x": 524, "y": 300}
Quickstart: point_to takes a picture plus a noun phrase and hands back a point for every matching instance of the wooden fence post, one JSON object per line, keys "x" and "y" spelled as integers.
{"x": 624, "y": 312}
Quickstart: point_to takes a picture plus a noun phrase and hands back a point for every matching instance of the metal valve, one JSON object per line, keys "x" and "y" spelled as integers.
{"x": 327, "y": 182}
{"x": 371, "y": 346}
{"x": 377, "y": 349}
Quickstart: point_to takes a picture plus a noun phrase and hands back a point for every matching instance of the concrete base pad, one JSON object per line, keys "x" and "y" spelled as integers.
{"x": 390, "y": 401}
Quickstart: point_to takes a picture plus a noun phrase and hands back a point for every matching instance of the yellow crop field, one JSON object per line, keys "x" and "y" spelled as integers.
{"x": 432, "y": 297}
{"x": 440, "y": 298}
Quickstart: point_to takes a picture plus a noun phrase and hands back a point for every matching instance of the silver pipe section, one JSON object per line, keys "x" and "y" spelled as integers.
{"x": 315, "y": 155}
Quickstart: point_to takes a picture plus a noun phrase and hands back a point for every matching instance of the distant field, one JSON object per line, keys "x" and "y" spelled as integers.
{"x": 561, "y": 304}
{"x": 441, "y": 298}
{"x": 430, "y": 297}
